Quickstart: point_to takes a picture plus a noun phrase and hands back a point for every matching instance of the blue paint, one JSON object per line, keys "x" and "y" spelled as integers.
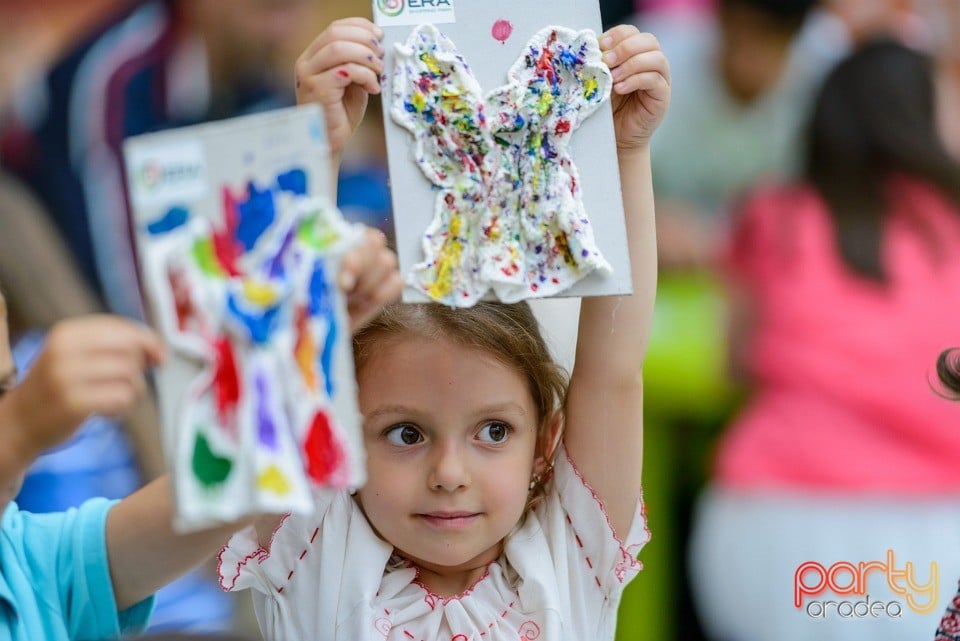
{"x": 266, "y": 428}
{"x": 276, "y": 268}
{"x": 176, "y": 217}
{"x": 256, "y": 215}
{"x": 568, "y": 58}
{"x": 326, "y": 357}
{"x": 321, "y": 304}
{"x": 294, "y": 181}
{"x": 259, "y": 325}
{"x": 320, "y": 299}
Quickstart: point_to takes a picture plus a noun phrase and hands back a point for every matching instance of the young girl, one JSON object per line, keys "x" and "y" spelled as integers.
{"x": 499, "y": 505}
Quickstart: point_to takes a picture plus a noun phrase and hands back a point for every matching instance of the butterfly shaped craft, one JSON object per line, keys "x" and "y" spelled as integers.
{"x": 509, "y": 213}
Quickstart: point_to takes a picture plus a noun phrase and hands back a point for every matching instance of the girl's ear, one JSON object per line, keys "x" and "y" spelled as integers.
{"x": 549, "y": 441}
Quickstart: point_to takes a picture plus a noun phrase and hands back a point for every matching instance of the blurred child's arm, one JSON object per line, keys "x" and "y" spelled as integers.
{"x": 604, "y": 412}
{"x": 338, "y": 71}
{"x": 90, "y": 365}
{"x": 145, "y": 553}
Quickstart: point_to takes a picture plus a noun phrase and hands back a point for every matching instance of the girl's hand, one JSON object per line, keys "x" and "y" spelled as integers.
{"x": 370, "y": 279}
{"x": 91, "y": 365}
{"x": 641, "y": 90}
{"x": 338, "y": 71}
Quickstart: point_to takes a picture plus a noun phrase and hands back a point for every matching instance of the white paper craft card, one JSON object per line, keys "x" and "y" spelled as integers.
{"x": 501, "y": 148}
{"x": 239, "y": 246}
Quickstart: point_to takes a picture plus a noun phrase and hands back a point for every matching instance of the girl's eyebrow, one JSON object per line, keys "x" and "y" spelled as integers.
{"x": 493, "y": 408}
{"x": 391, "y": 409}
{"x": 500, "y": 408}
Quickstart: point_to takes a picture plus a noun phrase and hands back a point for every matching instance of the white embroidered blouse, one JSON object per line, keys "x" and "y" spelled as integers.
{"x": 326, "y": 577}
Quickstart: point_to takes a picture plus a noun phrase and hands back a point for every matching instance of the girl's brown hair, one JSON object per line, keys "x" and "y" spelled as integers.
{"x": 508, "y": 332}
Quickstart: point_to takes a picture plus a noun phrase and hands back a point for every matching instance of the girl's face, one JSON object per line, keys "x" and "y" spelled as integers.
{"x": 450, "y": 434}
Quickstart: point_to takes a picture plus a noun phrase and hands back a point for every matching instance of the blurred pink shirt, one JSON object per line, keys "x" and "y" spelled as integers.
{"x": 696, "y": 6}
{"x": 843, "y": 368}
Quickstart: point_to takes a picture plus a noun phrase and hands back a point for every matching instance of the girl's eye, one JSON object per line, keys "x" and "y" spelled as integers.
{"x": 494, "y": 432}
{"x": 404, "y": 435}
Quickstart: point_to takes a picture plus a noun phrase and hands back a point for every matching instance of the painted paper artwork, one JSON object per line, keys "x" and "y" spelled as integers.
{"x": 509, "y": 214}
{"x": 242, "y": 287}
{"x": 502, "y": 154}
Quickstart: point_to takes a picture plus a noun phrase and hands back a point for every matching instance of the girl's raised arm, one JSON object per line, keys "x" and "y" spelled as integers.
{"x": 604, "y": 411}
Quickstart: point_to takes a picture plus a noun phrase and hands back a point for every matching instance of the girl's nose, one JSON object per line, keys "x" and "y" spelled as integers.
{"x": 449, "y": 470}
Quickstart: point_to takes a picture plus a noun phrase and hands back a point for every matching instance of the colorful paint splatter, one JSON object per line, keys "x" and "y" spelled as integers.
{"x": 251, "y": 299}
{"x": 509, "y": 213}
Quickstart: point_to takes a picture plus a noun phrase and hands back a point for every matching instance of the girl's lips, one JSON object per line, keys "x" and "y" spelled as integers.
{"x": 449, "y": 520}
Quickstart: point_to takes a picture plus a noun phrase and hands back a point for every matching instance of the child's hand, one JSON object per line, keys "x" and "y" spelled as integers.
{"x": 337, "y": 71}
{"x": 641, "y": 90}
{"x": 369, "y": 278}
{"x": 91, "y": 365}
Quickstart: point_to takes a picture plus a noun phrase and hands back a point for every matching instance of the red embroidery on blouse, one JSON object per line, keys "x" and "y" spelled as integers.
{"x": 383, "y": 626}
{"x": 261, "y": 554}
{"x": 628, "y": 560}
{"x": 529, "y": 631}
{"x": 432, "y": 598}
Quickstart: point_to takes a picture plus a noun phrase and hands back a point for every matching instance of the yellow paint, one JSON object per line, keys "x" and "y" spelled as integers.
{"x": 273, "y": 480}
{"x": 419, "y": 102}
{"x": 563, "y": 243}
{"x": 260, "y": 294}
{"x": 590, "y": 88}
{"x": 452, "y": 100}
{"x": 431, "y": 63}
{"x": 536, "y": 141}
{"x": 546, "y": 101}
{"x": 448, "y": 260}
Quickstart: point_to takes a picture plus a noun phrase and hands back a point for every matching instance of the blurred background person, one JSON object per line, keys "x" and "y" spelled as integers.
{"x": 745, "y": 73}
{"x": 841, "y": 290}
{"x": 75, "y": 79}
{"x": 153, "y": 66}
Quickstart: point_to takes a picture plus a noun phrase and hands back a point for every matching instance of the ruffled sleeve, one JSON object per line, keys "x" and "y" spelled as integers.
{"x": 334, "y": 549}
{"x": 612, "y": 562}
{"x": 569, "y": 560}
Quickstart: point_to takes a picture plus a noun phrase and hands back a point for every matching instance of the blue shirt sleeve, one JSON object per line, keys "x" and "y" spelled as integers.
{"x": 68, "y": 551}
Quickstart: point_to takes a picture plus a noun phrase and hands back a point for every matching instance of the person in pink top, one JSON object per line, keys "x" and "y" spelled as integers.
{"x": 832, "y": 509}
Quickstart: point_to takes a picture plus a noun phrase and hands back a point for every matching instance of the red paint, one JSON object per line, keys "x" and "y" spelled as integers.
{"x": 227, "y": 250}
{"x": 562, "y": 127}
{"x": 324, "y": 454}
{"x": 343, "y": 74}
{"x": 225, "y": 246}
{"x": 502, "y": 29}
{"x": 226, "y": 382}
{"x": 181, "y": 298}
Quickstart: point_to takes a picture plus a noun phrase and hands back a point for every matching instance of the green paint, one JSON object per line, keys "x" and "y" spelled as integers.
{"x": 206, "y": 259}
{"x": 210, "y": 469}
{"x": 314, "y": 231}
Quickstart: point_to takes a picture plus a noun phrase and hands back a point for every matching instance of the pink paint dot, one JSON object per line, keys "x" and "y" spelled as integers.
{"x": 501, "y": 30}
